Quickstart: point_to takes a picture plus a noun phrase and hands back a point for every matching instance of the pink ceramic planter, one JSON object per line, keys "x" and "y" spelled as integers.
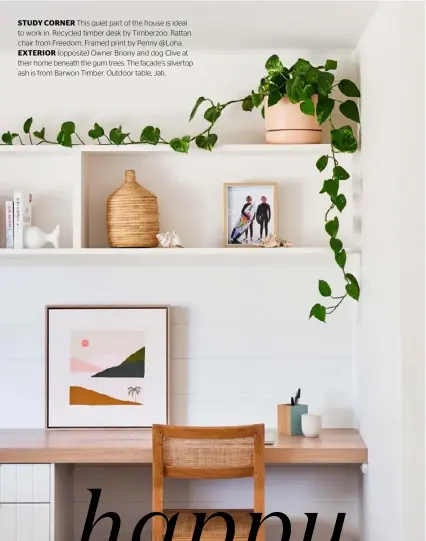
{"x": 285, "y": 124}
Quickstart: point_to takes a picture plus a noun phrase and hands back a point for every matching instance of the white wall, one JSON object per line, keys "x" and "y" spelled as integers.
{"x": 412, "y": 21}
{"x": 241, "y": 341}
{"x": 391, "y": 355}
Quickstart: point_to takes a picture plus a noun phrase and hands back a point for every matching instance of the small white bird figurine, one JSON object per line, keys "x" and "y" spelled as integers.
{"x": 34, "y": 237}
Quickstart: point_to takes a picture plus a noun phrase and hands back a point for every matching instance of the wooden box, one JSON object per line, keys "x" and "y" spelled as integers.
{"x": 290, "y": 419}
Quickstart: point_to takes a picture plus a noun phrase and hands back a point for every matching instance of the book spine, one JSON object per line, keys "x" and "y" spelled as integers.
{"x": 26, "y": 210}
{"x": 18, "y": 221}
{"x": 9, "y": 224}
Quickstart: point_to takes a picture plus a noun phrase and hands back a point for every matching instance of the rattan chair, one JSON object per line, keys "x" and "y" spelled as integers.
{"x": 208, "y": 453}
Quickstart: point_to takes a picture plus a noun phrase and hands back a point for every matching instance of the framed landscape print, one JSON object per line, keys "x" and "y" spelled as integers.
{"x": 107, "y": 366}
{"x": 250, "y": 213}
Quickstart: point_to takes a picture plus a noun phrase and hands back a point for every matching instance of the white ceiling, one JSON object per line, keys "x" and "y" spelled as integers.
{"x": 242, "y": 25}
{"x": 226, "y": 25}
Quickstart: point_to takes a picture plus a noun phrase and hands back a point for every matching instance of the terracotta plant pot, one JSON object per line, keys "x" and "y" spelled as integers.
{"x": 285, "y": 124}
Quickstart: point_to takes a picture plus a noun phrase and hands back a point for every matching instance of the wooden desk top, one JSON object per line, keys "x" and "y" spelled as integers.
{"x": 134, "y": 446}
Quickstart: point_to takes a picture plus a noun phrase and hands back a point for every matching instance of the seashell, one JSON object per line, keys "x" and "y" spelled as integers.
{"x": 169, "y": 240}
{"x": 274, "y": 241}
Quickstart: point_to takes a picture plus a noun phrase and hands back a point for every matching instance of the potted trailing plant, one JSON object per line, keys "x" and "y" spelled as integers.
{"x": 311, "y": 89}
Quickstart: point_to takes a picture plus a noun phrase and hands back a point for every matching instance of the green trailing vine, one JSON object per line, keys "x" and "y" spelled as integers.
{"x": 300, "y": 83}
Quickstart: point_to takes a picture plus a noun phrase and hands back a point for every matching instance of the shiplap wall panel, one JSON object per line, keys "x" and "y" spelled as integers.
{"x": 24, "y": 483}
{"x": 241, "y": 332}
{"x": 292, "y": 490}
{"x": 25, "y": 522}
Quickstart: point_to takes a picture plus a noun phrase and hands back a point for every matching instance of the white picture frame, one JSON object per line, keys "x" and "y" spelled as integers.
{"x": 107, "y": 366}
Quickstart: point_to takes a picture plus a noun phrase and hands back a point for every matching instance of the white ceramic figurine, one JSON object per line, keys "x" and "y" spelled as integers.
{"x": 34, "y": 237}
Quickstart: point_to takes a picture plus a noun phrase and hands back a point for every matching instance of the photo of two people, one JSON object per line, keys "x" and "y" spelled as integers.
{"x": 251, "y": 213}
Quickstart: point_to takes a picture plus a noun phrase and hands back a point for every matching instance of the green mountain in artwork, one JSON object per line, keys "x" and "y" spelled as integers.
{"x": 135, "y": 357}
{"x": 132, "y": 367}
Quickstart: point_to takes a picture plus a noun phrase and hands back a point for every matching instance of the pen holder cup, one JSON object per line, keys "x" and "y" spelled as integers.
{"x": 290, "y": 419}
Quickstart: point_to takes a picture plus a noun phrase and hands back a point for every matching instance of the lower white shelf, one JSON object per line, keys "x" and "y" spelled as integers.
{"x": 173, "y": 252}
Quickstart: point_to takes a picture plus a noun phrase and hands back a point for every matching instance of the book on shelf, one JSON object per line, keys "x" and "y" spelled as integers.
{"x": 21, "y": 216}
{"x": 9, "y": 224}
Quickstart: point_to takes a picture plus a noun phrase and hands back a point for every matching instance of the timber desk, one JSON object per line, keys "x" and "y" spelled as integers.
{"x": 132, "y": 446}
{"x": 37, "y": 470}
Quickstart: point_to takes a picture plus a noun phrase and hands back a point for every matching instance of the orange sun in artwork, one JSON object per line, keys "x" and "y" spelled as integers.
{"x": 85, "y": 343}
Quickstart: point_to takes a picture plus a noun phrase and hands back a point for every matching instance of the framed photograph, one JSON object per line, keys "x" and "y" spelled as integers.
{"x": 107, "y": 366}
{"x": 250, "y": 213}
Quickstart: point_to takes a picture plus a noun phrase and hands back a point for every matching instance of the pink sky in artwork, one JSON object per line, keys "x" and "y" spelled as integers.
{"x": 77, "y": 365}
{"x": 104, "y": 349}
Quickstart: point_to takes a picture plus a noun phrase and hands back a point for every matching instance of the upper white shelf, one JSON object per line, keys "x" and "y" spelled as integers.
{"x": 124, "y": 149}
{"x": 175, "y": 252}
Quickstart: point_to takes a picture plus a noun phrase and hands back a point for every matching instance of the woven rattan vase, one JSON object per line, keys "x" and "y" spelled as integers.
{"x": 132, "y": 216}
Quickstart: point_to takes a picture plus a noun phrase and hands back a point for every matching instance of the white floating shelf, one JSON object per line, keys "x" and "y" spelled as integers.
{"x": 176, "y": 252}
{"x": 245, "y": 148}
{"x": 70, "y": 187}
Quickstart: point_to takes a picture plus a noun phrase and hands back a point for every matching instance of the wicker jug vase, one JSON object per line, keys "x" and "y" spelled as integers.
{"x": 132, "y": 216}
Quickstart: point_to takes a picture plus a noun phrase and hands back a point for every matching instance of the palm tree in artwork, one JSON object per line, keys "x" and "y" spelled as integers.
{"x": 133, "y": 391}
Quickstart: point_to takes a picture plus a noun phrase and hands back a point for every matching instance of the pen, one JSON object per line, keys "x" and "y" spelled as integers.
{"x": 296, "y": 401}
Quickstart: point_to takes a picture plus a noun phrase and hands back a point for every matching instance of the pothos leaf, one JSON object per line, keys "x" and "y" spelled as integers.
{"x": 324, "y": 288}
{"x": 322, "y": 163}
{"x": 150, "y": 135}
{"x": 7, "y": 138}
{"x": 340, "y": 258}
{"x": 96, "y": 132}
{"x": 117, "y": 136}
{"x": 349, "y": 89}
{"x": 325, "y": 82}
{"x": 340, "y": 202}
{"x": 68, "y": 127}
{"x": 199, "y": 101}
{"x": 66, "y": 140}
{"x": 212, "y": 114}
{"x": 340, "y": 173}
{"x": 318, "y": 312}
{"x": 247, "y": 104}
{"x": 352, "y": 288}
{"x": 274, "y": 98}
{"x": 325, "y": 107}
{"x": 343, "y": 139}
{"x": 27, "y": 125}
{"x": 330, "y": 65}
{"x": 330, "y": 186}
{"x": 274, "y": 65}
{"x": 206, "y": 142}
{"x": 350, "y": 109}
{"x": 40, "y": 134}
{"x": 308, "y": 107}
{"x": 257, "y": 98}
{"x": 180, "y": 144}
{"x": 332, "y": 227}
{"x": 301, "y": 66}
{"x": 336, "y": 244}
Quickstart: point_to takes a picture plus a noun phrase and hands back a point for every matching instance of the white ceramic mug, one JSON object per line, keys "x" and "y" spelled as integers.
{"x": 311, "y": 425}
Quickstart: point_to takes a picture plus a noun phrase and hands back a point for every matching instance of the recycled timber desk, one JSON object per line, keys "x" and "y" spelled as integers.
{"x": 37, "y": 470}
{"x": 130, "y": 446}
